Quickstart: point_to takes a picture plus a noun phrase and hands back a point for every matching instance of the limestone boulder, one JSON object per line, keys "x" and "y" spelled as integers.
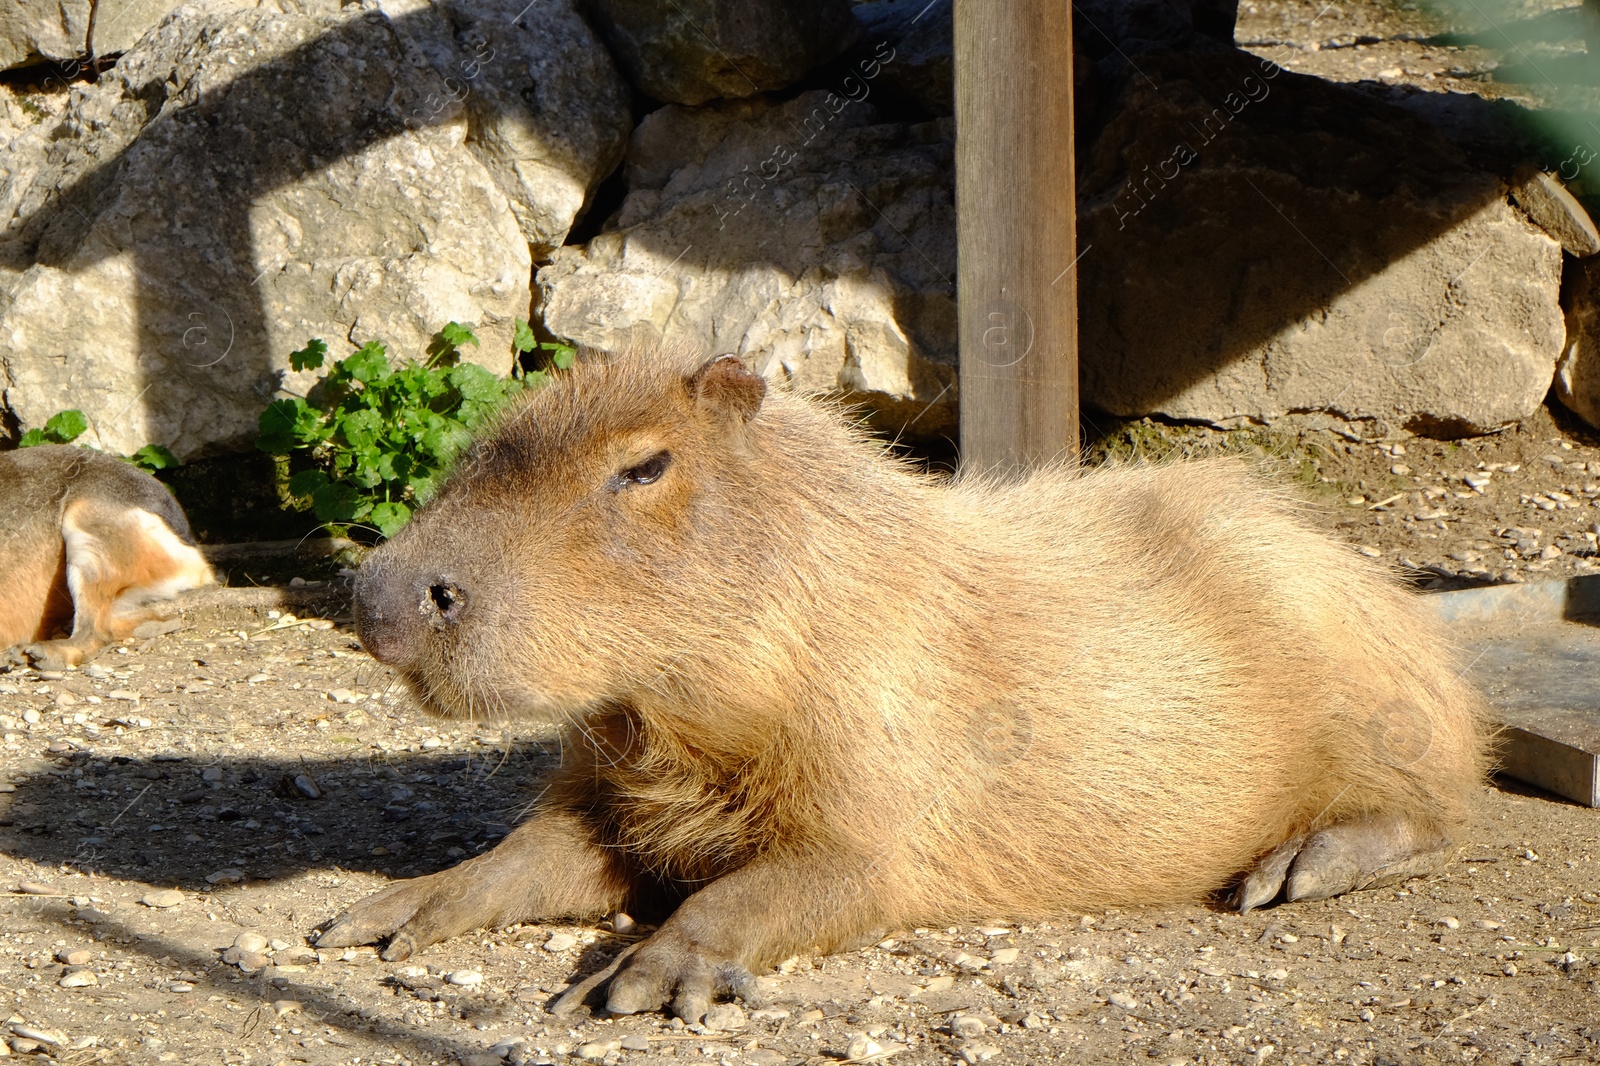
{"x": 693, "y": 51}
{"x": 1259, "y": 246}
{"x": 1578, "y": 375}
{"x": 548, "y": 112}
{"x": 35, "y": 31}
{"x": 242, "y": 180}
{"x": 807, "y": 236}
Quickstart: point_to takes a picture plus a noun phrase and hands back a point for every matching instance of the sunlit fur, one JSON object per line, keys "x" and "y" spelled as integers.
{"x": 986, "y": 697}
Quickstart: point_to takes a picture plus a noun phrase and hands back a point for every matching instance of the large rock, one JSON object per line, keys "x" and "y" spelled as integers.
{"x": 242, "y": 180}
{"x": 549, "y": 113}
{"x": 803, "y": 235}
{"x": 118, "y": 24}
{"x": 33, "y": 31}
{"x": 1258, "y": 245}
{"x": 692, "y": 51}
{"x": 1578, "y": 375}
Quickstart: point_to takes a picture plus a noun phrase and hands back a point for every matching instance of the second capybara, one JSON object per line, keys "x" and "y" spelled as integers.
{"x": 91, "y": 545}
{"x": 812, "y": 696}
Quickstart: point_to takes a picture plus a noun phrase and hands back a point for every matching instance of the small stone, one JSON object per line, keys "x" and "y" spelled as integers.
{"x": 560, "y": 942}
{"x": 58, "y": 746}
{"x": 248, "y": 941}
{"x": 725, "y": 1017}
{"x": 1509, "y": 969}
{"x": 598, "y": 1049}
{"x": 1122, "y": 1000}
{"x": 30, "y": 716}
{"x": 1550, "y": 551}
{"x": 123, "y": 694}
{"x": 285, "y": 1006}
{"x": 639, "y": 1043}
{"x": 863, "y": 1045}
{"x": 1004, "y": 956}
{"x": 1400, "y": 470}
{"x": 481, "y": 1058}
{"x": 761, "y": 1056}
{"x": 162, "y": 898}
{"x": 341, "y": 695}
{"x": 256, "y": 679}
{"x": 1289, "y": 938}
{"x": 65, "y": 699}
{"x": 1369, "y": 552}
{"x": 307, "y": 787}
{"x": 211, "y": 773}
{"x": 248, "y": 961}
{"x": 1488, "y": 923}
{"x": 1279, "y": 974}
{"x": 978, "y": 1053}
{"x": 464, "y": 978}
{"x": 623, "y": 924}
{"x": 228, "y": 875}
{"x": 180, "y": 987}
{"x": 79, "y": 979}
{"x": 27, "y": 1032}
{"x": 1450, "y": 923}
{"x": 994, "y": 930}
{"x": 433, "y": 744}
{"x": 968, "y": 1025}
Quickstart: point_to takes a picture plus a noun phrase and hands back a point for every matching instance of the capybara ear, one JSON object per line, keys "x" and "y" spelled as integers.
{"x": 727, "y": 386}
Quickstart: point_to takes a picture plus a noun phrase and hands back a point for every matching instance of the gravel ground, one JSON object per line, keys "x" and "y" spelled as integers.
{"x": 178, "y": 817}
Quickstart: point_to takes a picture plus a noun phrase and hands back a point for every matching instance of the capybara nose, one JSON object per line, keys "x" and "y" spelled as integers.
{"x": 395, "y": 613}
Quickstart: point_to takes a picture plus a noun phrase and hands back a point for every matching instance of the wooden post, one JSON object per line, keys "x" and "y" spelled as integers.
{"x": 1016, "y": 285}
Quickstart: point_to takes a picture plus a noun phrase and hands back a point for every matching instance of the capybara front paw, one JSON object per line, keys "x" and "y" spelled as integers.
{"x": 413, "y": 914}
{"x": 668, "y": 967}
{"x": 44, "y": 655}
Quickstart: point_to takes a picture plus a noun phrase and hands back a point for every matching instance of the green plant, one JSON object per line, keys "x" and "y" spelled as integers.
{"x": 64, "y": 427}
{"x": 378, "y": 437}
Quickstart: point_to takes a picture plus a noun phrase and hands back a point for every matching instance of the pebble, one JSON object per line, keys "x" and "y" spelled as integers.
{"x": 79, "y": 979}
{"x": 1370, "y": 553}
{"x": 76, "y": 957}
{"x": 180, "y": 987}
{"x": 228, "y": 875}
{"x": 307, "y": 787}
{"x": 433, "y": 744}
{"x": 1289, "y": 938}
{"x": 1488, "y": 923}
{"x": 765, "y": 1056}
{"x": 30, "y": 716}
{"x": 1122, "y": 1000}
{"x": 968, "y": 1025}
{"x": 560, "y": 942}
{"x": 285, "y": 1006}
{"x": 623, "y": 924}
{"x": 863, "y": 1045}
{"x": 596, "y": 1050}
{"x": 29, "y": 1033}
{"x": 341, "y": 695}
{"x": 248, "y": 941}
{"x": 978, "y": 1052}
{"x": 127, "y": 694}
{"x": 256, "y": 679}
{"x": 65, "y": 699}
{"x": 36, "y": 888}
{"x": 725, "y": 1016}
{"x": 248, "y": 961}
{"x": 465, "y": 978}
{"x": 994, "y": 930}
{"x": 1450, "y": 923}
{"x": 1005, "y": 956}
{"x": 161, "y": 898}
{"x": 635, "y": 1043}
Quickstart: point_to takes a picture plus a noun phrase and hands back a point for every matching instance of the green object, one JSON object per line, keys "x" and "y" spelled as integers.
{"x": 375, "y": 439}
{"x": 64, "y": 427}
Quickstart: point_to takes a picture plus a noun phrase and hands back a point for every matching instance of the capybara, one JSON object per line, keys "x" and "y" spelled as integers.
{"x": 89, "y": 544}
{"x": 812, "y": 696}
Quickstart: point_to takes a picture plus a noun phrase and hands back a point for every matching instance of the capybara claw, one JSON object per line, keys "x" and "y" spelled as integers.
{"x": 401, "y": 947}
{"x": 1343, "y": 858}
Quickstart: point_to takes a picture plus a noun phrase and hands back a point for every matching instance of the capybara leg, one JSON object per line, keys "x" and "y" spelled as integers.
{"x": 750, "y": 918}
{"x": 547, "y": 868}
{"x": 1370, "y": 853}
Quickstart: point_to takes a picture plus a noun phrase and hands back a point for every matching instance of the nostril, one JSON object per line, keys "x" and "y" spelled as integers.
{"x": 448, "y": 599}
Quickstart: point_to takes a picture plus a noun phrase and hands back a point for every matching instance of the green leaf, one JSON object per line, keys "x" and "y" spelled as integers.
{"x": 153, "y": 457}
{"x": 32, "y": 439}
{"x": 389, "y": 517}
{"x": 338, "y": 502}
{"x": 361, "y": 428}
{"x": 310, "y": 357}
{"x": 562, "y": 356}
{"x": 522, "y": 338}
{"x": 369, "y": 363}
{"x": 477, "y": 384}
{"x": 307, "y": 482}
{"x": 65, "y": 427}
{"x": 283, "y": 425}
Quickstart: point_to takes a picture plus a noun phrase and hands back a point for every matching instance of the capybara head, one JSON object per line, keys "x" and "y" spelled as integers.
{"x": 605, "y": 525}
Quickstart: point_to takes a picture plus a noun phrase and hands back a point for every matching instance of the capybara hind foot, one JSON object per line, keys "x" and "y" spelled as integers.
{"x": 1343, "y": 858}
{"x": 547, "y": 868}
{"x": 50, "y": 654}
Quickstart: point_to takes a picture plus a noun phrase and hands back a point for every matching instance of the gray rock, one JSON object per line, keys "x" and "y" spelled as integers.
{"x": 548, "y": 112}
{"x": 1578, "y": 374}
{"x": 914, "y": 42}
{"x": 692, "y": 51}
{"x": 118, "y": 24}
{"x": 803, "y": 235}
{"x": 33, "y": 31}
{"x": 1555, "y": 210}
{"x": 1257, "y": 245}
{"x": 240, "y": 181}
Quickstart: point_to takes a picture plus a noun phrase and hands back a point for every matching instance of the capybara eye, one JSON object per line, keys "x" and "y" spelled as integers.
{"x": 646, "y": 472}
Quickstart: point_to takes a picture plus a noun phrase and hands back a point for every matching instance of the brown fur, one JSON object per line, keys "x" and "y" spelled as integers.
{"x": 815, "y": 695}
{"x": 88, "y": 543}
